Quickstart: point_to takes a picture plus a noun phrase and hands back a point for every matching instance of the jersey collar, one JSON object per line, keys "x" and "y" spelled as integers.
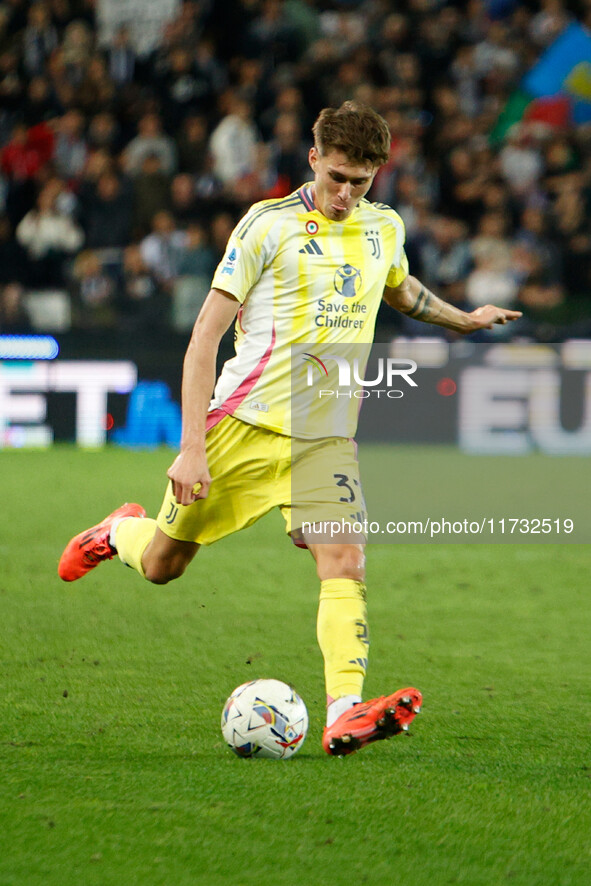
{"x": 306, "y": 196}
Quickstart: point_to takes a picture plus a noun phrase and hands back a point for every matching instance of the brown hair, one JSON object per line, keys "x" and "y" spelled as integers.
{"x": 356, "y": 130}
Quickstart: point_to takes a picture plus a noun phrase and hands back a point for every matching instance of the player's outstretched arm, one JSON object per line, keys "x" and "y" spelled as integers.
{"x": 189, "y": 472}
{"x": 413, "y": 298}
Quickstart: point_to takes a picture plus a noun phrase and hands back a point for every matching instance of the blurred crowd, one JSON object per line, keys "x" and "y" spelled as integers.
{"x": 122, "y": 175}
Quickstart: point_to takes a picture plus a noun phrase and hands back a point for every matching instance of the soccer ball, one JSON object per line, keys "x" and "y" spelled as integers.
{"x": 264, "y": 718}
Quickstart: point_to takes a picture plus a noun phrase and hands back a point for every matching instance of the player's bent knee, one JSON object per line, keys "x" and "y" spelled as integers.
{"x": 340, "y": 561}
{"x": 344, "y": 569}
{"x": 163, "y": 571}
{"x": 166, "y": 559}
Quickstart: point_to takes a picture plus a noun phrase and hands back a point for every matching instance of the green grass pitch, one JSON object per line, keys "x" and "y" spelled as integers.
{"x": 113, "y": 769}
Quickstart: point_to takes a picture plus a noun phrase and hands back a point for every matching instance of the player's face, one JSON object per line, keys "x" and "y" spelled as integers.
{"x": 339, "y": 184}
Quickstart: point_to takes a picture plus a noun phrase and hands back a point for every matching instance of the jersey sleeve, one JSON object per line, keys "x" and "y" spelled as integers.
{"x": 250, "y": 249}
{"x": 398, "y": 272}
{"x": 399, "y": 267}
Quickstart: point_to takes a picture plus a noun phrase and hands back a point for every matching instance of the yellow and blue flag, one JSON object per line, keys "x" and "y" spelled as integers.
{"x": 557, "y": 88}
{"x": 565, "y": 68}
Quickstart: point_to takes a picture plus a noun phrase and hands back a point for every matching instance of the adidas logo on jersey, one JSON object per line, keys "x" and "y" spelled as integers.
{"x": 312, "y": 248}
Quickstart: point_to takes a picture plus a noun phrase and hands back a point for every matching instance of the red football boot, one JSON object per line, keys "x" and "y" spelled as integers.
{"x": 371, "y": 721}
{"x": 89, "y": 548}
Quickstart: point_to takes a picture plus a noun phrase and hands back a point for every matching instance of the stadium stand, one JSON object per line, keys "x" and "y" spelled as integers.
{"x": 122, "y": 168}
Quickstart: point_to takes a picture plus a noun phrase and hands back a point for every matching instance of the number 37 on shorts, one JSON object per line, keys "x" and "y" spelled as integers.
{"x": 325, "y": 484}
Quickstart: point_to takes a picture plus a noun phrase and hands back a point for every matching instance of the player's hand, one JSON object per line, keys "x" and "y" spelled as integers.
{"x": 190, "y": 476}
{"x": 486, "y": 316}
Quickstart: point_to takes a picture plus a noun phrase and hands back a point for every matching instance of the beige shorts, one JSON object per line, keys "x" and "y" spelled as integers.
{"x": 254, "y": 470}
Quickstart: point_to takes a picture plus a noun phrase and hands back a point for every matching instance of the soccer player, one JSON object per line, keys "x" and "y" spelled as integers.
{"x": 289, "y": 264}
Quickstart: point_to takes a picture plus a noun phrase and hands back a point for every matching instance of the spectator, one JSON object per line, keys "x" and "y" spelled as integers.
{"x": 289, "y": 100}
{"x": 476, "y": 23}
{"x": 350, "y": 76}
{"x": 560, "y": 156}
{"x": 70, "y": 145}
{"x": 196, "y": 265}
{"x": 22, "y": 161}
{"x": 76, "y": 51}
{"x": 61, "y": 14}
{"x": 445, "y": 258}
{"x": 151, "y": 193}
{"x": 107, "y": 214}
{"x": 150, "y": 141}
{"x": 121, "y": 57}
{"x": 192, "y": 144}
{"x": 493, "y": 277}
{"x": 494, "y": 55}
{"x": 93, "y": 293}
{"x": 183, "y": 30}
{"x": 413, "y": 201}
{"x": 49, "y": 237}
{"x": 521, "y": 161}
{"x": 97, "y": 162}
{"x": 533, "y": 234}
{"x": 12, "y": 86}
{"x": 485, "y": 282}
{"x": 4, "y": 23}
{"x": 407, "y": 75}
{"x": 497, "y": 198}
{"x": 196, "y": 258}
{"x": 95, "y": 91}
{"x": 271, "y": 37}
{"x": 13, "y": 258}
{"x": 222, "y": 226}
{"x": 452, "y": 128}
{"x": 571, "y": 226}
{"x": 60, "y": 78}
{"x": 468, "y": 83}
{"x": 39, "y": 39}
{"x": 141, "y": 302}
{"x": 391, "y": 39}
{"x": 66, "y": 201}
{"x": 233, "y": 143}
{"x": 183, "y": 202}
{"x": 207, "y": 186}
{"x": 537, "y": 298}
{"x": 435, "y": 49}
{"x": 104, "y": 132}
{"x": 14, "y": 317}
{"x": 184, "y": 89}
{"x": 250, "y": 84}
{"x": 40, "y": 102}
{"x": 549, "y": 22}
{"x": 288, "y": 156}
{"x": 526, "y": 264}
{"x": 24, "y": 155}
{"x": 491, "y": 242}
{"x": 210, "y": 69}
{"x": 161, "y": 249}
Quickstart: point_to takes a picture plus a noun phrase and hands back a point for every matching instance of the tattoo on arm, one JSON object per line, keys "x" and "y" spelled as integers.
{"x": 425, "y": 307}
{"x": 421, "y": 305}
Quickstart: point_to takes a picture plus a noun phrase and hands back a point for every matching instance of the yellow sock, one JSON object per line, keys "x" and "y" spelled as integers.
{"x": 343, "y": 636}
{"x": 132, "y": 537}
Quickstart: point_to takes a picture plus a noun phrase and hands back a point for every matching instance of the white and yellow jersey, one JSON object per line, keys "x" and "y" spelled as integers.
{"x": 303, "y": 281}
